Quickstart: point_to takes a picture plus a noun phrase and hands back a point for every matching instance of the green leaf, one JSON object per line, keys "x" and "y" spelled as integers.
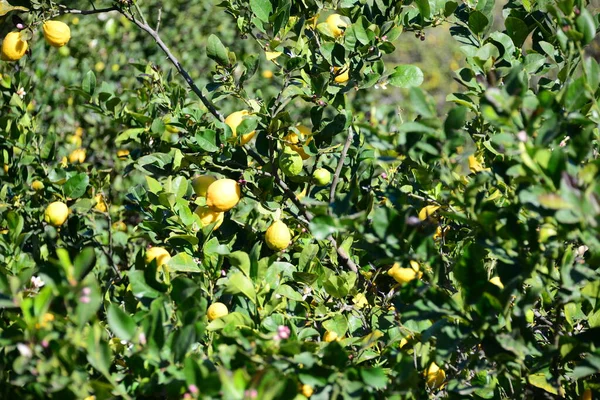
{"x": 374, "y": 377}
{"x": 5, "y": 8}
{"x": 338, "y": 324}
{"x": 261, "y": 8}
{"x": 241, "y": 260}
{"x": 240, "y": 283}
{"x": 216, "y": 51}
{"x": 517, "y": 30}
{"x": 89, "y": 83}
{"x": 120, "y": 323}
{"x": 424, "y": 8}
{"x": 586, "y": 25}
{"x": 207, "y": 140}
{"x": 478, "y": 22}
{"x": 405, "y": 76}
{"x": 322, "y": 226}
{"x": 76, "y": 186}
{"x": 183, "y": 262}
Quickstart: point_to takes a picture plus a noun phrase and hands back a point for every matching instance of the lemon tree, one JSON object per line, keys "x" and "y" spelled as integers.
{"x": 272, "y": 199}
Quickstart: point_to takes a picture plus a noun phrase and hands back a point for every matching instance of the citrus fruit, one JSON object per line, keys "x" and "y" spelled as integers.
{"x": 405, "y": 275}
{"x": 330, "y": 336}
{"x": 435, "y": 376}
{"x": 278, "y": 236}
{"x": 119, "y": 226}
{"x": 123, "y": 153}
{"x": 296, "y": 142}
{"x": 37, "y": 185}
{"x": 100, "y": 203}
{"x": 290, "y": 162}
{"x": 336, "y": 24}
{"x": 57, "y": 33}
{"x": 77, "y": 156}
{"x": 234, "y": 120}
{"x": 307, "y": 390}
{"x": 201, "y": 184}
{"x": 223, "y": 194}
{"x": 587, "y": 394}
{"x": 342, "y": 74}
{"x": 208, "y": 217}
{"x": 13, "y": 48}
{"x": 56, "y": 213}
{"x": 159, "y": 254}
{"x": 267, "y": 74}
{"x": 216, "y": 310}
{"x": 322, "y": 177}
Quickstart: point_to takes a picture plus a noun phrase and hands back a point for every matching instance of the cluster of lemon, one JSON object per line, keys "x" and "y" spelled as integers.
{"x": 14, "y": 45}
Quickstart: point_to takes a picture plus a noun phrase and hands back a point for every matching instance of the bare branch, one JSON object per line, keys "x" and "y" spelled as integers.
{"x": 338, "y": 170}
{"x": 65, "y": 10}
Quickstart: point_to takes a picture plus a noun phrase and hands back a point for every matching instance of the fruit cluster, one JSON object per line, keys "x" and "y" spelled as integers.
{"x": 14, "y": 45}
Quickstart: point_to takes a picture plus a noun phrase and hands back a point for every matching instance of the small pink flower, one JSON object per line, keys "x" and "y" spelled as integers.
{"x": 384, "y": 175}
{"x": 193, "y": 389}
{"x": 283, "y": 332}
{"x": 251, "y": 393}
{"x": 142, "y": 338}
{"x": 86, "y": 291}
{"x": 84, "y": 299}
{"x": 45, "y": 344}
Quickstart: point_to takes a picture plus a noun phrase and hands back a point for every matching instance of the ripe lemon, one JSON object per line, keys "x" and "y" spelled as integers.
{"x": 290, "y": 162}
{"x": 435, "y": 376}
{"x": 223, "y": 194}
{"x": 161, "y": 255}
{"x": 330, "y": 336}
{"x": 587, "y": 394}
{"x": 208, "y": 217}
{"x": 77, "y": 156}
{"x": 234, "y": 120}
{"x": 405, "y": 275}
{"x": 13, "y": 48}
{"x": 427, "y": 211}
{"x": 37, "y": 185}
{"x": 56, "y": 213}
{"x": 201, "y": 184}
{"x": 295, "y": 143}
{"x": 278, "y": 236}
{"x": 307, "y": 390}
{"x": 100, "y": 203}
{"x": 342, "y": 74}
{"x": 216, "y": 310}
{"x": 322, "y": 177}
{"x": 57, "y": 33}
{"x": 267, "y": 74}
{"x": 336, "y": 24}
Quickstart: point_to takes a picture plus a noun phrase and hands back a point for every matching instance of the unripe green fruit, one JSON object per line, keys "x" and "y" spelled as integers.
{"x": 529, "y": 316}
{"x": 290, "y": 162}
{"x": 322, "y": 177}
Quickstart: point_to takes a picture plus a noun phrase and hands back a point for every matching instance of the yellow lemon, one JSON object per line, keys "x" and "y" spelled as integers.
{"x": 216, "y": 310}
{"x": 307, "y": 390}
{"x": 330, "y": 336}
{"x": 223, "y": 194}
{"x": 404, "y": 341}
{"x": 342, "y": 74}
{"x": 278, "y": 236}
{"x": 295, "y": 143}
{"x": 267, "y": 74}
{"x": 77, "y": 156}
{"x": 427, "y": 211}
{"x": 13, "y": 48}
{"x": 405, "y": 275}
{"x": 57, "y": 33}
{"x": 123, "y": 153}
{"x": 435, "y": 376}
{"x": 234, "y": 120}
{"x": 100, "y": 203}
{"x": 37, "y": 186}
{"x": 161, "y": 255}
{"x": 201, "y": 184}
{"x": 79, "y": 131}
{"x": 74, "y": 139}
{"x": 496, "y": 281}
{"x": 56, "y": 213}
{"x": 208, "y": 217}
{"x": 6, "y": 167}
{"x": 336, "y": 24}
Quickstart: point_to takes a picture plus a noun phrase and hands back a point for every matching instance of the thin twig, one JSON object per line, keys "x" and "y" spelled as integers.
{"x": 338, "y": 170}
{"x": 145, "y": 27}
{"x": 158, "y": 19}
{"x": 66, "y": 10}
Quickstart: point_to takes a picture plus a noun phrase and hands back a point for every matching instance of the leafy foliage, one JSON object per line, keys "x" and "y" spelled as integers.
{"x": 464, "y": 237}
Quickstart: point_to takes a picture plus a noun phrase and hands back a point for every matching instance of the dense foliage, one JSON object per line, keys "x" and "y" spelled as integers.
{"x": 434, "y": 251}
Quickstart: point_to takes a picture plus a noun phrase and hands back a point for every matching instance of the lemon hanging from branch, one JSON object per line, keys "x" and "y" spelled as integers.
{"x": 56, "y": 33}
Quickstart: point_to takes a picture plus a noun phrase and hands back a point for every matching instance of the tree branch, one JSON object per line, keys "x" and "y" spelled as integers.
{"x": 65, "y": 10}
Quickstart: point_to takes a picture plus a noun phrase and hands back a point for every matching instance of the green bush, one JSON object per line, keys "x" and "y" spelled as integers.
{"x": 442, "y": 249}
